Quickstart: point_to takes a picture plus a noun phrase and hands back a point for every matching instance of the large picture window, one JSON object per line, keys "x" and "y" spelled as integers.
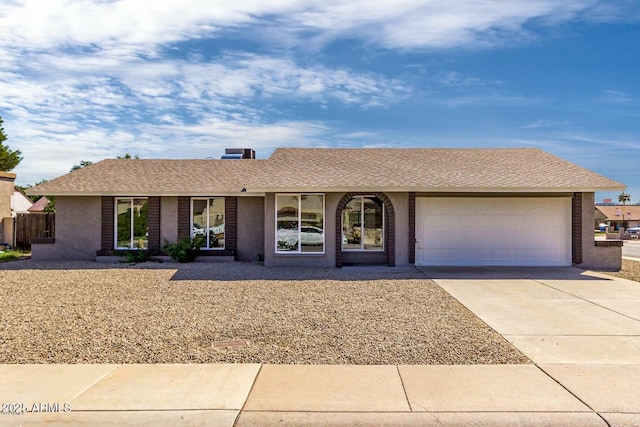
{"x": 363, "y": 224}
{"x": 132, "y": 231}
{"x": 208, "y": 221}
{"x": 300, "y": 223}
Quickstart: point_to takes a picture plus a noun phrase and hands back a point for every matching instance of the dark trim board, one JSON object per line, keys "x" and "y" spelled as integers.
{"x": 153, "y": 223}
{"x": 230, "y": 224}
{"x": 412, "y": 228}
{"x": 576, "y": 228}
{"x": 184, "y": 217}
{"x": 107, "y": 225}
{"x": 493, "y": 195}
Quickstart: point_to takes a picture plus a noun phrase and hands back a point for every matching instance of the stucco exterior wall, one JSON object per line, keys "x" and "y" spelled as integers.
{"x": 78, "y": 232}
{"x": 250, "y": 238}
{"x": 596, "y": 257}
{"x": 168, "y": 220}
{"x": 400, "y": 202}
{"x": 6, "y": 221}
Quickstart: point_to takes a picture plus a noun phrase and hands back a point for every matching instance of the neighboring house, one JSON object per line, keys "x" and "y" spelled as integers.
{"x": 334, "y": 207}
{"x": 20, "y": 202}
{"x": 7, "y": 189}
{"x": 39, "y": 206}
{"x": 615, "y": 216}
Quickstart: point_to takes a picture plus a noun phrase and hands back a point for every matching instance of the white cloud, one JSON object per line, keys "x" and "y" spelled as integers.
{"x": 86, "y": 108}
{"x": 140, "y": 26}
{"x": 364, "y": 135}
{"x": 617, "y": 97}
{"x": 201, "y": 140}
{"x": 486, "y": 99}
{"x": 69, "y": 87}
{"x": 625, "y": 11}
{"x": 546, "y": 123}
{"x": 431, "y": 23}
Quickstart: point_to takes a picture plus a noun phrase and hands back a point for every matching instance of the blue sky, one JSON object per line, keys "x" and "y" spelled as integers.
{"x": 92, "y": 79}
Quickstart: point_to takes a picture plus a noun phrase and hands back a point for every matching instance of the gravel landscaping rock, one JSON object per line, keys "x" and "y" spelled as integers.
{"x": 630, "y": 270}
{"x": 84, "y": 312}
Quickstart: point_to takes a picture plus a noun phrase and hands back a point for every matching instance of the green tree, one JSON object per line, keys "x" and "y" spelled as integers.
{"x": 9, "y": 159}
{"x": 51, "y": 206}
{"x": 624, "y": 198}
{"x": 83, "y": 164}
{"x": 127, "y": 156}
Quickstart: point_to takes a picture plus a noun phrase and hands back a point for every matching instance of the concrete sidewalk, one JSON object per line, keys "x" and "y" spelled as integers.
{"x": 581, "y": 331}
{"x": 247, "y": 395}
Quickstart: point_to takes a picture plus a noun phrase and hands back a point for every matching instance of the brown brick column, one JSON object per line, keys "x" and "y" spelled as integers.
{"x": 230, "y": 225}
{"x": 107, "y": 225}
{"x": 184, "y": 217}
{"x": 153, "y": 223}
{"x": 576, "y": 228}
{"x": 412, "y": 228}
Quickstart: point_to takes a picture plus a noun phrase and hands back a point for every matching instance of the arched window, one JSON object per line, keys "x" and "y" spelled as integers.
{"x": 363, "y": 224}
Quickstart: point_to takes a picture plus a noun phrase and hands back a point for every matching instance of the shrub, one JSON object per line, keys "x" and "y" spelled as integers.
{"x": 185, "y": 249}
{"x": 134, "y": 257}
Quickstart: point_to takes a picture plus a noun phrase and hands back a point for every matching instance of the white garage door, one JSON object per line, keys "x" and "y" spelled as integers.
{"x": 472, "y": 231}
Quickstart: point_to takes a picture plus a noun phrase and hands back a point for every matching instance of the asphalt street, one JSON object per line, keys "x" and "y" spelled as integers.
{"x": 631, "y": 248}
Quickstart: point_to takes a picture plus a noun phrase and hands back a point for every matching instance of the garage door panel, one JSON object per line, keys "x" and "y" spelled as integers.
{"x": 493, "y": 231}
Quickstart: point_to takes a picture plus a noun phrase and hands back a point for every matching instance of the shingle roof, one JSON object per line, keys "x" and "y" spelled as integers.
{"x": 136, "y": 177}
{"x": 39, "y": 205}
{"x": 331, "y": 169}
{"x": 427, "y": 169}
{"x": 609, "y": 212}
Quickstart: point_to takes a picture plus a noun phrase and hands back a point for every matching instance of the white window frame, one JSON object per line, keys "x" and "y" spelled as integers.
{"x": 115, "y": 223}
{"x": 299, "y": 251}
{"x": 362, "y": 249}
{"x": 208, "y": 226}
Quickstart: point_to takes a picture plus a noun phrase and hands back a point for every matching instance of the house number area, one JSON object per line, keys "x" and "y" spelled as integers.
{"x": 19, "y": 408}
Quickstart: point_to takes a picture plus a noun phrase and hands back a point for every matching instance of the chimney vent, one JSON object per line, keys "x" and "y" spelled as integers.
{"x": 239, "y": 153}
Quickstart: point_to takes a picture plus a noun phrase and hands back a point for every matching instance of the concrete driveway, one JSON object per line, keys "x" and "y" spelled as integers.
{"x": 581, "y": 328}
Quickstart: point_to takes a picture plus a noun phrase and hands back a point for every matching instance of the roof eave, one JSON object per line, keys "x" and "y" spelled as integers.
{"x": 149, "y": 194}
{"x": 372, "y": 189}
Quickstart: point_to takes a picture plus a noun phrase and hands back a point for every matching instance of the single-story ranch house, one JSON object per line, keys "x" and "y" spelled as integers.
{"x": 617, "y": 216}
{"x": 329, "y": 207}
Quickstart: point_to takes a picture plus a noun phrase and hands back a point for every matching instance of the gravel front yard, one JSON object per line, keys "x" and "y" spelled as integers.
{"x": 630, "y": 270}
{"x": 173, "y": 313}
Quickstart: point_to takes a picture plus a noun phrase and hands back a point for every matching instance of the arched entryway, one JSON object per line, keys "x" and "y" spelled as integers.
{"x": 365, "y": 230}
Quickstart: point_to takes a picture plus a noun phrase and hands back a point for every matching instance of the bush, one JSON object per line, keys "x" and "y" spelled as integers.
{"x": 134, "y": 257}
{"x": 185, "y": 249}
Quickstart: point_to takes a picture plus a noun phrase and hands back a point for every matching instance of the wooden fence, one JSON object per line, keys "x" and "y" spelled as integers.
{"x": 34, "y": 226}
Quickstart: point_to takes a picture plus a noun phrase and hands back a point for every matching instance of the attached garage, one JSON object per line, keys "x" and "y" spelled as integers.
{"x": 493, "y": 231}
